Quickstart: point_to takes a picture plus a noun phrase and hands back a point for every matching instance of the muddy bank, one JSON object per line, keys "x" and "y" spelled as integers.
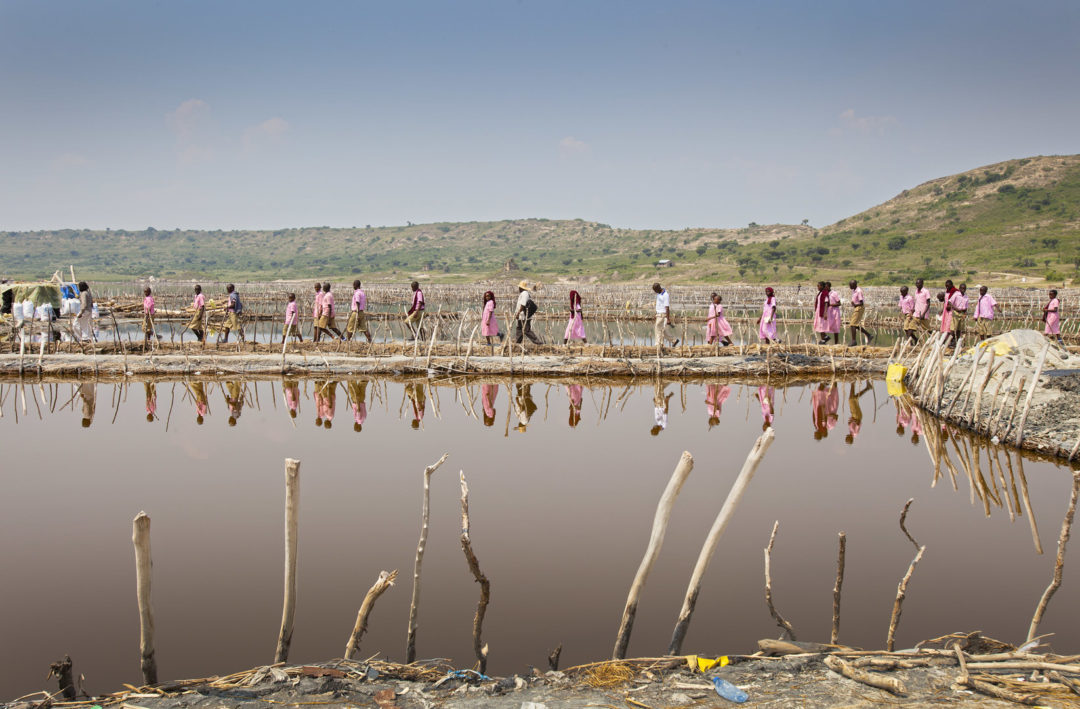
{"x": 764, "y": 362}
{"x": 992, "y": 675}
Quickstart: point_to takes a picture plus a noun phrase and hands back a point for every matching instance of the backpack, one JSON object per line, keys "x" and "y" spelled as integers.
{"x": 238, "y": 307}
{"x": 530, "y": 308}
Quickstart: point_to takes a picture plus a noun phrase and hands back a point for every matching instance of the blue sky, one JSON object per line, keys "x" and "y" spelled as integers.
{"x": 645, "y": 115}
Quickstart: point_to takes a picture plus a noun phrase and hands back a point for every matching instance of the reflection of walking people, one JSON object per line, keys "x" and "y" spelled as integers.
{"x": 234, "y": 398}
{"x": 291, "y": 389}
{"x": 524, "y": 406}
{"x": 526, "y": 308}
{"x": 766, "y": 395}
{"x": 202, "y": 403}
{"x": 575, "y": 328}
{"x": 573, "y": 392}
{"x": 325, "y": 402}
{"x": 358, "y": 393}
{"x": 151, "y": 400}
{"x": 488, "y": 394}
{"x": 416, "y": 394}
{"x": 88, "y": 394}
{"x": 717, "y": 327}
{"x": 660, "y": 408}
{"x": 663, "y": 318}
{"x": 854, "y": 413}
{"x": 715, "y": 396}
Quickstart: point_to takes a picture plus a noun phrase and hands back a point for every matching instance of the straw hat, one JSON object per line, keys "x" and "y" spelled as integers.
{"x": 524, "y": 285}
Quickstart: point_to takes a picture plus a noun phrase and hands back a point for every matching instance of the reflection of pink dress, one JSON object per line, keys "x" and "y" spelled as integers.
{"x": 765, "y": 395}
{"x": 488, "y": 394}
{"x": 834, "y": 312}
{"x": 489, "y": 326}
{"x": 817, "y": 409}
{"x": 718, "y": 326}
{"x": 715, "y": 396}
{"x": 574, "y": 391}
{"x": 767, "y": 327}
{"x": 833, "y": 405}
{"x": 292, "y": 396}
{"x": 359, "y": 412}
{"x": 575, "y": 329}
{"x": 1053, "y": 317}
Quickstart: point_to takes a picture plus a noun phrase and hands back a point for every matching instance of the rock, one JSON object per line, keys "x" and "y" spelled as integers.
{"x": 679, "y": 699}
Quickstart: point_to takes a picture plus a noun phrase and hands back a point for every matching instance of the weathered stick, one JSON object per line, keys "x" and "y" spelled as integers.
{"x": 889, "y": 684}
{"x": 722, "y": 519}
{"x": 788, "y": 630}
{"x": 1059, "y": 563}
{"x": 140, "y": 537}
{"x": 480, "y": 650}
{"x": 61, "y": 669}
{"x": 837, "y": 588}
{"x": 292, "y": 513}
{"x": 553, "y": 658}
{"x": 1031, "y": 392}
{"x": 414, "y": 608}
{"x": 901, "y": 593}
{"x": 991, "y": 689}
{"x": 652, "y": 551}
{"x": 385, "y": 581}
{"x": 903, "y": 519}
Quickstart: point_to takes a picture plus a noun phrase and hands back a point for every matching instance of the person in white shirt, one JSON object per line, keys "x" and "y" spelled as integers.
{"x": 526, "y": 308}
{"x": 663, "y": 316}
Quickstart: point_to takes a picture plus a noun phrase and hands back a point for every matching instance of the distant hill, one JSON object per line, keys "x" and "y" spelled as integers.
{"x": 1003, "y": 222}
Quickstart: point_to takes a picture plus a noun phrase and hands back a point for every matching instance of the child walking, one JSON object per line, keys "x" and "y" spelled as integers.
{"x": 489, "y": 324}
{"x": 292, "y": 320}
{"x": 1052, "y": 317}
{"x": 575, "y": 329}
{"x": 717, "y": 327}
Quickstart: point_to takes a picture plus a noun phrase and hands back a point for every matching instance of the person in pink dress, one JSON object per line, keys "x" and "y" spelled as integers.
{"x": 717, "y": 328}
{"x": 575, "y": 328}
{"x": 715, "y": 396}
{"x": 1052, "y": 317}
{"x": 291, "y": 389}
{"x": 573, "y": 392}
{"x": 292, "y": 320}
{"x": 767, "y": 321}
{"x": 834, "y": 313}
{"x": 316, "y": 312}
{"x": 151, "y": 400}
{"x": 489, "y": 323}
{"x": 907, "y": 312}
{"x": 985, "y": 305}
{"x": 943, "y": 298}
{"x": 148, "y": 314}
{"x": 488, "y": 394}
{"x": 903, "y": 417}
{"x": 821, "y": 313}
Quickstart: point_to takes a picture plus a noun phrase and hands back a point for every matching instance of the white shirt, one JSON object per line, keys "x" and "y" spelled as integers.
{"x": 522, "y": 302}
{"x": 663, "y": 302}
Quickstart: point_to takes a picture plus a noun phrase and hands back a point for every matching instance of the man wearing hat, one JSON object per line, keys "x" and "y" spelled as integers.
{"x": 526, "y": 307}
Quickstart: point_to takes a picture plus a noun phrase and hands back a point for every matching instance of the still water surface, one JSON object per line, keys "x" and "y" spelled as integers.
{"x": 564, "y": 481}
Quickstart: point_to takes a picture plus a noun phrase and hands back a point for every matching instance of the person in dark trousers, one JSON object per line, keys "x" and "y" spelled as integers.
{"x": 526, "y": 308}
{"x": 233, "y": 309}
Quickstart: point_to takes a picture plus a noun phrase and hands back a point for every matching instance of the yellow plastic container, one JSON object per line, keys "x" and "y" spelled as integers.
{"x": 896, "y": 372}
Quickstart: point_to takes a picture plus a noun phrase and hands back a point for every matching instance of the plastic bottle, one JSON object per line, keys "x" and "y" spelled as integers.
{"x": 729, "y": 691}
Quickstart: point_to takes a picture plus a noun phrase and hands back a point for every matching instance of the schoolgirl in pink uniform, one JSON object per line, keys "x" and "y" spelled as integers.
{"x": 489, "y": 324}
{"x": 821, "y": 313}
{"x": 718, "y": 328}
{"x": 148, "y": 314}
{"x": 292, "y": 320}
{"x": 767, "y": 321}
{"x": 1052, "y": 317}
{"x": 834, "y": 312}
{"x": 316, "y": 312}
{"x": 907, "y": 310}
{"x": 575, "y": 328}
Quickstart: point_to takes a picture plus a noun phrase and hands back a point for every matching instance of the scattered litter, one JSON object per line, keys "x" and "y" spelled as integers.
{"x": 729, "y": 691}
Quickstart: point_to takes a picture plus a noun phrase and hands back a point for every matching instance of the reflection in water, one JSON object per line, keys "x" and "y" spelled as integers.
{"x": 817, "y": 494}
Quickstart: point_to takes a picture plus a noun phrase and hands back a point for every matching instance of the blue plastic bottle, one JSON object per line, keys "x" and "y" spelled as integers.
{"x": 729, "y": 691}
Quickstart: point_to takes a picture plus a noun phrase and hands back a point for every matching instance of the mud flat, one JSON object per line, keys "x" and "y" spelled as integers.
{"x": 796, "y": 361}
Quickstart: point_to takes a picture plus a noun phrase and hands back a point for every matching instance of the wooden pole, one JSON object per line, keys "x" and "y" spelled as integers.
{"x": 836, "y": 589}
{"x": 1059, "y": 564}
{"x": 1031, "y": 393}
{"x": 414, "y": 608}
{"x": 780, "y": 621}
{"x": 292, "y": 513}
{"x": 719, "y": 525}
{"x": 479, "y": 649}
{"x": 140, "y": 537}
{"x": 384, "y": 582}
{"x": 901, "y": 593}
{"x": 652, "y": 551}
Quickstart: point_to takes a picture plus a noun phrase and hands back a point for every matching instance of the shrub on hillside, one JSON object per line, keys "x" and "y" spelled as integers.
{"x": 896, "y": 243}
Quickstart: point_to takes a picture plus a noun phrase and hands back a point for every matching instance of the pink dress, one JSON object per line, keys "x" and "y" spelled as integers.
{"x": 834, "y": 312}
{"x": 575, "y": 328}
{"x": 765, "y": 396}
{"x": 767, "y": 326}
{"x": 1053, "y": 317}
{"x": 488, "y": 394}
{"x": 946, "y": 318}
{"x": 821, "y": 322}
{"x": 718, "y": 326}
{"x": 489, "y": 324}
{"x": 715, "y": 396}
{"x": 148, "y": 305}
{"x": 833, "y": 404}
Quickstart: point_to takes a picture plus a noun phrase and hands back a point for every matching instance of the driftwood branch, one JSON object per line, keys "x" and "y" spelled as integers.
{"x": 788, "y": 630}
{"x": 481, "y": 651}
{"x": 1059, "y": 563}
{"x": 903, "y": 519}
{"x": 384, "y": 582}
{"x": 889, "y": 684}
{"x": 553, "y": 658}
{"x": 722, "y": 519}
{"x": 837, "y": 588}
{"x": 414, "y": 607}
{"x": 292, "y": 513}
{"x": 652, "y": 551}
{"x": 901, "y": 593}
{"x": 61, "y": 670}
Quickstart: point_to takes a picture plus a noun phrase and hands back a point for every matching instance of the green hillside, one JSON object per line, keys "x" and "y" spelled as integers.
{"x": 1013, "y": 220}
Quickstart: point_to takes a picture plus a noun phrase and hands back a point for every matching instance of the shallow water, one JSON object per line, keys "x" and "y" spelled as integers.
{"x": 562, "y": 497}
